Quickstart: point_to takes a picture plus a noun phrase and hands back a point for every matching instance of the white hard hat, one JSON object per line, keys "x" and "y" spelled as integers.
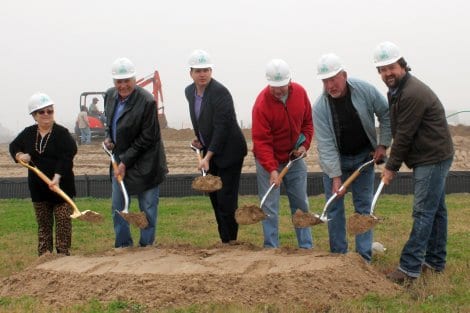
{"x": 386, "y": 53}
{"x": 200, "y": 59}
{"x": 38, "y": 101}
{"x": 123, "y": 68}
{"x": 328, "y": 66}
{"x": 277, "y": 73}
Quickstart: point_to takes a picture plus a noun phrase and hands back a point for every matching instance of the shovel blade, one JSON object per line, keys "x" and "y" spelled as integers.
{"x": 302, "y": 219}
{"x": 91, "y": 216}
{"x": 136, "y": 219}
{"x": 249, "y": 214}
{"x": 359, "y": 223}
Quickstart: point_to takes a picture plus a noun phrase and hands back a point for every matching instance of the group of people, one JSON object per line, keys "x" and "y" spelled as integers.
{"x": 412, "y": 126}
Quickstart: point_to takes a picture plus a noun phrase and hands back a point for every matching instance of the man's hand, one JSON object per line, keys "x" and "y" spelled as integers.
{"x": 380, "y": 154}
{"x": 121, "y": 171}
{"x": 109, "y": 144}
{"x": 337, "y": 185}
{"x": 196, "y": 143}
{"x": 298, "y": 152}
{"x": 388, "y": 176}
{"x": 274, "y": 179}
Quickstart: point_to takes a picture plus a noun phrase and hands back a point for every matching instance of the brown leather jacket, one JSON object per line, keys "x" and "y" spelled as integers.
{"x": 420, "y": 132}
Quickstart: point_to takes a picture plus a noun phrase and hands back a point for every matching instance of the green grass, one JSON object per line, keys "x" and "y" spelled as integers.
{"x": 191, "y": 221}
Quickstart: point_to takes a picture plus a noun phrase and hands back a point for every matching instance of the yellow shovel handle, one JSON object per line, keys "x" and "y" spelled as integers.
{"x": 56, "y": 189}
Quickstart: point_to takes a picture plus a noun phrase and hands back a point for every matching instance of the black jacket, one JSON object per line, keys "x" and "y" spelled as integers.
{"x": 420, "y": 132}
{"x": 57, "y": 158}
{"x": 217, "y": 124}
{"x": 138, "y": 140}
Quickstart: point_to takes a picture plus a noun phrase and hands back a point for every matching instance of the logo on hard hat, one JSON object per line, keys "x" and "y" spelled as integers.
{"x": 202, "y": 59}
{"x": 383, "y": 55}
{"x": 122, "y": 70}
{"x": 324, "y": 69}
{"x": 278, "y": 77}
{"x": 43, "y": 99}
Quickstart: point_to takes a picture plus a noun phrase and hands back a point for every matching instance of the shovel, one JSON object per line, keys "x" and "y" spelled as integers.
{"x": 87, "y": 215}
{"x": 301, "y": 218}
{"x": 137, "y": 219}
{"x": 206, "y": 182}
{"x": 358, "y": 223}
{"x": 250, "y": 214}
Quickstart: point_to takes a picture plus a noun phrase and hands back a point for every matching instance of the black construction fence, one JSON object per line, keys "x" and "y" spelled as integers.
{"x": 99, "y": 186}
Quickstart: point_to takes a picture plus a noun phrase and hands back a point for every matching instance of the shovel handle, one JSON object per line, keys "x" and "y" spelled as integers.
{"x": 376, "y": 197}
{"x": 56, "y": 189}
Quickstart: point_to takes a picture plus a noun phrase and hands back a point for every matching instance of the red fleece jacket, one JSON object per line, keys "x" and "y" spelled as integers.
{"x": 276, "y": 127}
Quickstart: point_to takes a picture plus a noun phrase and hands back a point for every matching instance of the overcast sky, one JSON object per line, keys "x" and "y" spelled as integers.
{"x": 63, "y": 48}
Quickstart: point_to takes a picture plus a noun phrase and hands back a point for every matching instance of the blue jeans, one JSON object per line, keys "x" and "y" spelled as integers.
{"x": 148, "y": 203}
{"x": 362, "y": 193}
{"x": 428, "y": 238}
{"x": 85, "y": 135}
{"x": 295, "y": 182}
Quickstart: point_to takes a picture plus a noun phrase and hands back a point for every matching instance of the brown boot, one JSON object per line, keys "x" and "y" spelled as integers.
{"x": 399, "y": 277}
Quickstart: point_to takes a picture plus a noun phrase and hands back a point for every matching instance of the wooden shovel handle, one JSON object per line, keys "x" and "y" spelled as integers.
{"x": 350, "y": 179}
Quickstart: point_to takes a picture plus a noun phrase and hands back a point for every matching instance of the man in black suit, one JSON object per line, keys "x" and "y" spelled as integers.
{"x": 219, "y": 137}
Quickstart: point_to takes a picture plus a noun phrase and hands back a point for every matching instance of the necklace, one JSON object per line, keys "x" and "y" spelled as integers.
{"x": 40, "y": 145}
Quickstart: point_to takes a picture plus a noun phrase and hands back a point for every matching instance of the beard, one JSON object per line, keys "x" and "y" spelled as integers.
{"x": 392, "y": 81}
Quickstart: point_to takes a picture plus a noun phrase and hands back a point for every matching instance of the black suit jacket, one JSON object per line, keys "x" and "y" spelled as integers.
{"x": 217, "y": 124}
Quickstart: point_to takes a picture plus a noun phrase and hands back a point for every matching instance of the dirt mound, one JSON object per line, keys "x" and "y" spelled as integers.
{"x": 180, "y": 276}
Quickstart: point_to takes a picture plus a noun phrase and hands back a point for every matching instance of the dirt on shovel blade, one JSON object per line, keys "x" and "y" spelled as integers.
{"x": 136, "y": 219}
{"x": 90, "y": 216}
{"x": 358, "y": 223}
{"x": 302, "y": 219}
{"x": 208, "y": 183}
{"x": 249, "y": 214}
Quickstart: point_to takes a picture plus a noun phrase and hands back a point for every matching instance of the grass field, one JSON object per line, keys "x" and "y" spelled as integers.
{"x": 190, "y": 221}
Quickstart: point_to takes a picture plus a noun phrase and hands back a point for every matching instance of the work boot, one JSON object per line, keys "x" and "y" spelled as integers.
{"x": 425, "y": 269}
{"x": 401, "y": 278}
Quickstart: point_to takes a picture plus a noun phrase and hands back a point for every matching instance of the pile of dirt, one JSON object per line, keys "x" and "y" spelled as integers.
{"x": 183, "y": 275}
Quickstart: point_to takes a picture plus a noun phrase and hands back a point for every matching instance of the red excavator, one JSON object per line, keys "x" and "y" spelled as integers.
{"x": 94, "y": 102}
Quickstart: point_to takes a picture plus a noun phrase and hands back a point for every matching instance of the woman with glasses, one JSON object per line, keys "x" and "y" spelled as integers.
{"x": 50, "y": 148}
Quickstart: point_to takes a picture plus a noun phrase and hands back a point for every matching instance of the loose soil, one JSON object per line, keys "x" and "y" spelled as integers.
{"x": 176, "y": 276}
{"x": 183, "y": 275}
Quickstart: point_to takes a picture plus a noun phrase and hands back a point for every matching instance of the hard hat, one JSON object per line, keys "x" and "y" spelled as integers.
{"x": 386, "y": 53}
{"x": 328, "y": 66}
{"x": 38, "y": 101}
{"x": 200, "y": 59}
{"x": 277, "y": 73}
{"x": 123, "y": 68}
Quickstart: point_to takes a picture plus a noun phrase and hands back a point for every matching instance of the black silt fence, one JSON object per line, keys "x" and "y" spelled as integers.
{"x": 99, "y": 186}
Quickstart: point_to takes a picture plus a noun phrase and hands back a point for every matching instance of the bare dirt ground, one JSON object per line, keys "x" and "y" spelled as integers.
{"x": 92, "y": 160}
{"x": 183, "y": 275}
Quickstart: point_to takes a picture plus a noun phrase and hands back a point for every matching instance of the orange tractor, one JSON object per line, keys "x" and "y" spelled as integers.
{"x": 94, "y": 102}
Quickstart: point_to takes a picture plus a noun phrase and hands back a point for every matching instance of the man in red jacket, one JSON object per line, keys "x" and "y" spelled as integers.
{"x": 282, "y": 129}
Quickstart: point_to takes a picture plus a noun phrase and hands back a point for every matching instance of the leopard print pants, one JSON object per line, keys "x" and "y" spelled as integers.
{"x": 46, "y": 213}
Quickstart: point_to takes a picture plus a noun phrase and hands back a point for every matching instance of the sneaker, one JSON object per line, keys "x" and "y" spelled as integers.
{"x": 399, "y": 277}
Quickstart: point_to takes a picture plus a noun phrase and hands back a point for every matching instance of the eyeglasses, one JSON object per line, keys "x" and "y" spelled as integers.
{"x": 42, "y": 112}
